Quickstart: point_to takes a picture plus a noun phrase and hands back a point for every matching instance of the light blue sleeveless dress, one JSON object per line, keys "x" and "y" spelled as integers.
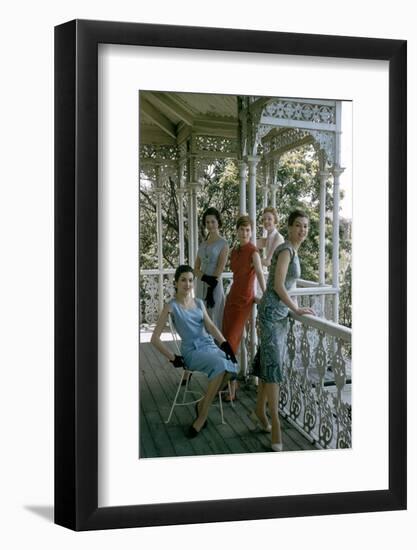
{"x": 273, "y": 318}
{"x": 197, "y": 345}
{"x": 209, "y": 256}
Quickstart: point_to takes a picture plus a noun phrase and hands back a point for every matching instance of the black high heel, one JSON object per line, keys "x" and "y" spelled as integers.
{"x": 192, "y": 432}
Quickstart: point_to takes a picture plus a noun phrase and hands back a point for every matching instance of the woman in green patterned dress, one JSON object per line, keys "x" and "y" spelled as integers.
{"x": 273, "y": 323}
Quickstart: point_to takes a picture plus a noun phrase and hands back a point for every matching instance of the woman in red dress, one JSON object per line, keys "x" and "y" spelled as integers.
{"x": 245, "y": 263}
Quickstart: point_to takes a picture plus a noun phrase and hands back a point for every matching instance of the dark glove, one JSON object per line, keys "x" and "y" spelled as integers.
{"x": 210, "y": 298}
{"x": 228, "y": 351}
{"x": 178, "y": 362}
{"x": 210, "y": 280}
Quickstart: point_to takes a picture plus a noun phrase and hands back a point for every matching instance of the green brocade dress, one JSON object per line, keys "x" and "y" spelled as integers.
{"x": 273, "y": 319}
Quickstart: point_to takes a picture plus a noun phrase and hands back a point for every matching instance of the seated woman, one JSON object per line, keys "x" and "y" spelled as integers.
{"x": 273, "y": 236}
{"x": 199, "y": 351}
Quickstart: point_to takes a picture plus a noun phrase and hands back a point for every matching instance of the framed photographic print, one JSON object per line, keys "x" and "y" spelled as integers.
{"x": 189, "y": 163}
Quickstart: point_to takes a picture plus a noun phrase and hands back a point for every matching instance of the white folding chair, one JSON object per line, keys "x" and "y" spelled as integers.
{"x": 189, "y": 397}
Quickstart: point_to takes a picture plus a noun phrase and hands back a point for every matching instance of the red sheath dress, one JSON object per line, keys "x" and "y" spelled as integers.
{"x": 241, "y": 296}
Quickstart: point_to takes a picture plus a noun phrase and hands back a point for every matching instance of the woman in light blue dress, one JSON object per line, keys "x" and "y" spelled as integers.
{"x": 273, "y": 323}
{"x": 209, "y": 266}
{"x": 198, "y": 349}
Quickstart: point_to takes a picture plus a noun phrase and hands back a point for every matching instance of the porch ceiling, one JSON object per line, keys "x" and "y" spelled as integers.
{"x": 169, "y": 118}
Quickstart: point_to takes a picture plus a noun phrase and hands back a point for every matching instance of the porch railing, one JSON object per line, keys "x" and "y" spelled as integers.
{"x": 316, "y": 393}
{"x": 157, "y": 287}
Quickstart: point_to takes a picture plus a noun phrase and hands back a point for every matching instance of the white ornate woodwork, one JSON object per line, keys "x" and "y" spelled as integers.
{"x": 216, "y": 144}
{"x": 284, "y": 109}
{"x": 158, "y": 152}
{"x": 326, "y": 143}
{"x": 315, "y": 394}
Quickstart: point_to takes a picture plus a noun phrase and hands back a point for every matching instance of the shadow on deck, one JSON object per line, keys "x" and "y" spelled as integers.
{"x": 158, "y": 384}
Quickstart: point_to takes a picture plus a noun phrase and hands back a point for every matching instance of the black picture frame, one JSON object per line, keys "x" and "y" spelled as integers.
{"x": 76, "y": 272}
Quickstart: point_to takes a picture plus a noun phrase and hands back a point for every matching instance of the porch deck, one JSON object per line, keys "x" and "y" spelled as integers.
{"x": 158, "y": 384}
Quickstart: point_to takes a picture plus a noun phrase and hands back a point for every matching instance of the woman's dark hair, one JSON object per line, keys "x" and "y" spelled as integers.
{"x": 245, "y": 221}
{"x": 211, "y": 212}
{"x": 296, "y": 214}
{"x": 182, "y": 269}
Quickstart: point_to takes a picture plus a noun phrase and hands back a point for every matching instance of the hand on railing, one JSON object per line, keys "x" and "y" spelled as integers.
{"x": 304, "y": 311}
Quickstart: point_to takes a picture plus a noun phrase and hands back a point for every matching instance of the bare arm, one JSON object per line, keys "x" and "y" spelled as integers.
{"x": 221, "y": 262}
{"x": 156, "y": 335}
{"x": 256, "y": 260}
{"x": 261, "y": 243}
{"x": 211, "y": 328}
{"x": 279, "y": 284}
{"x": 197, "y": 267}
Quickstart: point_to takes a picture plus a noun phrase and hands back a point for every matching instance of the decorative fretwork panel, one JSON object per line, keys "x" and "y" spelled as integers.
{"x": 149, "y": 291}
{"x": 284, "y": 140}
{"x": 315, "y": 393}
{"x": 158, "y": 152}
{"x": 295, "y": 110}
{"x": 325, "y": 142}
{"x": 216, "y": 144}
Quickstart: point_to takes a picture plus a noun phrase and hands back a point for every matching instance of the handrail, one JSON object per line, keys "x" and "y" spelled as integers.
{"x": 319, "y": 323}
{"x": 313, "y": 291}
{"x": 308, "y": 288}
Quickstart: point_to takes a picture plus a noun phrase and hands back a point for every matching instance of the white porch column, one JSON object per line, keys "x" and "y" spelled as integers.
{"x": 322, "y": 228}
{"x": 265, "y": 186}
{"x": 274, "y": 189}
{"x": 274, "y": 185}
{"x": 181, "y": 190}
{"x": 158, "y": 192}
{"x": 194, "y": 186}
{"x": 252, "y": 164}
{"x": 337, "y": 170}
{"x": 190, "y": 226}
{"x": 242, "y": 187}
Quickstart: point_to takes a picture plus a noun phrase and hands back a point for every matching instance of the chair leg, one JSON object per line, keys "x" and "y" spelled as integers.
{"x": 184, "y": 395}
{"x": 175, "y": 399}
{"x": 221, "y": 407}
{"x": 230, "y": 393}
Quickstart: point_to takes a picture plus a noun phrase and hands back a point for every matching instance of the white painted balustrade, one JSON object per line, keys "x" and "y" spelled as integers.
{"x": 316, "y": 393}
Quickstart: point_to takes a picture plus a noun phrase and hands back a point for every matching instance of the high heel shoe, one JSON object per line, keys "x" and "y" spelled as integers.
{"x": 276, "y": 446}
{"x": 258, "y": 423}
{"x": 192, "y": 432}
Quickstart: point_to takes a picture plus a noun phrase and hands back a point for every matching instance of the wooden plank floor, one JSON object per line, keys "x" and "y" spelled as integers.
{"x": 158, "y": 384}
